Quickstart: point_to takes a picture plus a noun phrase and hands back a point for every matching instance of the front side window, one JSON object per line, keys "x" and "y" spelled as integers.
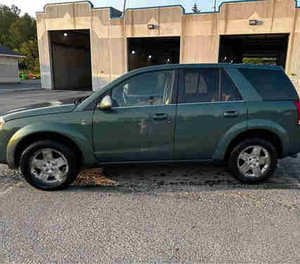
{"x": 207, "y": 85}
{"x": 155, "y": 88}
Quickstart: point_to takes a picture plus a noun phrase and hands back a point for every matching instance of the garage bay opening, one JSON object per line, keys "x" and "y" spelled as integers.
{"x": 71, "y": 60}
{"x": 269, "y": 49}
{"x": 150, "y": 51}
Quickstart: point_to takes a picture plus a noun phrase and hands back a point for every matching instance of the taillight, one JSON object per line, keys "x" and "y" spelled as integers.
{"x": 297, "y": 103}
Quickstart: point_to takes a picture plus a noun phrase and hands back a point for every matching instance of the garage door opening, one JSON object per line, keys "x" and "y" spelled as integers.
{"x": 269, "y": 49}
{"x": 144, "y": 52}
{"x": 71, "y": 60}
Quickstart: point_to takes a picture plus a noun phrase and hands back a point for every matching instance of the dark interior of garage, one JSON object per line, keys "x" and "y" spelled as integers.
{"x": 144, "y": 52}
{"x": 268, "y": 49}
{"x": 71, "y": 60}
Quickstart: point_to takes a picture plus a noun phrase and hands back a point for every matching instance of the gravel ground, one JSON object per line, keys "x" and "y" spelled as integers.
{"x": 151, "y": 214}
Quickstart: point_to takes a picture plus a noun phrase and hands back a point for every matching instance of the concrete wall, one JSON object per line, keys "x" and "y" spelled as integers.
{"x": 9, "y": 70}
{"x": 200, "y": 33}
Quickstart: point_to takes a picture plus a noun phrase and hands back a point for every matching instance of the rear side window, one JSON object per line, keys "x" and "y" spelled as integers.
{"x": 229, "y": 92}
{"x": 271, "y": 85}
{"x": 201, "y": 85}
{"x": 207, "y": 85}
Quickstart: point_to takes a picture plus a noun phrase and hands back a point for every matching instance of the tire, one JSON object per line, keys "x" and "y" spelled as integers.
{"x": 49, "y": 165}
{"x": 258, "y": 155}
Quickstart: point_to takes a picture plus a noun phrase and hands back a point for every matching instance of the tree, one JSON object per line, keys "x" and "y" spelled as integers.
{"x": 31, "y": 60}
{"x": 195, "y": 8}
{"x": 15, "y": 10}
{"x": 7, "y": 18}
{"x": 22, "y": 30}
{"x": 19, "y": 34}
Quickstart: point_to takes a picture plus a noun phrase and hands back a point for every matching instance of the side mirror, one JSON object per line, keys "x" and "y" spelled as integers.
{"x": 105, "y": 103}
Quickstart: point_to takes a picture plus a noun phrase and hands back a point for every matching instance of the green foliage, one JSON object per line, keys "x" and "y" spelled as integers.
{"x": 15, "y": 10}
{"x": 255, "y": 61}
{"x": 19, "y": 34}
{"x": 30, "y": 50}
{"x": 7, "y": 18}
{"x": 22, "y": 30}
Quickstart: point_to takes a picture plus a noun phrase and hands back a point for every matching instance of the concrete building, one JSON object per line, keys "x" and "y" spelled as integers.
{"x": 9, "y": 66}
{"x": 82, "y": 47}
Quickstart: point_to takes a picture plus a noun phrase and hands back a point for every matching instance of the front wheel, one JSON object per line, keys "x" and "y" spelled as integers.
{"x": 253, "y": 161}
{"x": 49, "y": 165}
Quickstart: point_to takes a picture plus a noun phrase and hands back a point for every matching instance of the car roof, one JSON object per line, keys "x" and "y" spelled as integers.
{"x": 205, "y": 65}
{"x": 197, "y": 65}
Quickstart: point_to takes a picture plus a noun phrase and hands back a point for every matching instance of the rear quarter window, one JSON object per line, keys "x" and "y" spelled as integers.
{"x": 271, "y": 85}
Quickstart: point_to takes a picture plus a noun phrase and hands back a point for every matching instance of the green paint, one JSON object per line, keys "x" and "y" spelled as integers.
{"x": 193, "y": 132}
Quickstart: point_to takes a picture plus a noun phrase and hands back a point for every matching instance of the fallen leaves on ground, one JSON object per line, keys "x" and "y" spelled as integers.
{"x": 93, "y": 177}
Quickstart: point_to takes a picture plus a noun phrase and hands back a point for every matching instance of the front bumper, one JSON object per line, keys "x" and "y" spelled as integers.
{"x": 3, "y": 145}
{"x": 3, "y": 154}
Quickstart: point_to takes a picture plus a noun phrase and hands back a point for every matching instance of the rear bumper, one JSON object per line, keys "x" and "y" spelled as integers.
{"x": 294, "y": 144}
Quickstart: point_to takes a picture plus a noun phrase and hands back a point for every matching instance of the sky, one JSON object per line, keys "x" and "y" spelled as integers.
{"x": 32, "y": 6}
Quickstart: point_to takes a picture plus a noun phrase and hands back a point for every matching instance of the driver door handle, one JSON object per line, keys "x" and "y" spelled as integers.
{"x": 160, "y": 116}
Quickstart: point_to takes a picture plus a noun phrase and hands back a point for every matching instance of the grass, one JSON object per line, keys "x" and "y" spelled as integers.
{"x": 26, "y": 74}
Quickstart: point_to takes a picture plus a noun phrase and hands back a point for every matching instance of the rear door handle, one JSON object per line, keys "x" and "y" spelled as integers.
{"x": 231, "y": 114}
{"x": 160, "y": 116}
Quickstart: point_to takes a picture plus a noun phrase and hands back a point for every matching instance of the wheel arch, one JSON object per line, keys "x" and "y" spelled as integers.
{"x": 265, "y": 134}
{"x": 79, "y": 139}
{"x": 38, "y": 136}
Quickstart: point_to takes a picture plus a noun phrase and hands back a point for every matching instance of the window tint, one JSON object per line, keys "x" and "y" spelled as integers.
{"x": 229, "y": 90}
{"x": 203, "y": 85}
{"x": 200, "y": 85}
{"x": 271, "y": 84}
{"x": 154, "y": 88}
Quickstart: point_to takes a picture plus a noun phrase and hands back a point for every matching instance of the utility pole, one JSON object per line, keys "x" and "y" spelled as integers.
{"x": 124, "y": 7}
{"x": 215, "y": 6}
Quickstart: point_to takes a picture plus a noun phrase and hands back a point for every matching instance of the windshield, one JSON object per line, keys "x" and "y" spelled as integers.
{"x": 81, "y": 99}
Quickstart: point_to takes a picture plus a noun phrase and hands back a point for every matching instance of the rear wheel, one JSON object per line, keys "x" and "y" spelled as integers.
{"x": 253, "y": 160}
{"x": 49, "y": 165}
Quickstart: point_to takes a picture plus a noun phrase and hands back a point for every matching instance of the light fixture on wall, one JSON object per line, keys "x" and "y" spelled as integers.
{"x": 151, "y": 26}
{"x": 65, "y": 34}
{"x": 133, "y": 52}
{"x": 253, "y": 22}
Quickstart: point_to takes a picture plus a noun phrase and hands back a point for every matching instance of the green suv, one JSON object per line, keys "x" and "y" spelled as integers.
{"x": 244, "y": 116}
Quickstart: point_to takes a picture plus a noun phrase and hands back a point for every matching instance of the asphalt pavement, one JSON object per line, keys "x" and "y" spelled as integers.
{"x": 30, "y": 92}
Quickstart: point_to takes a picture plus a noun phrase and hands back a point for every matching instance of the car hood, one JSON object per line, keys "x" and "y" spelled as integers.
{"x": 55, "y": 107}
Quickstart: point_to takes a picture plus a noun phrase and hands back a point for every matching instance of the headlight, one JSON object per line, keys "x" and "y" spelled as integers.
{"x": 1, "y": 121}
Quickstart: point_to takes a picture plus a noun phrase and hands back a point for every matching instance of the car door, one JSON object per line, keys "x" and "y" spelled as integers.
{"x": 209, "y": 105}
{"x": 140, "y": 125}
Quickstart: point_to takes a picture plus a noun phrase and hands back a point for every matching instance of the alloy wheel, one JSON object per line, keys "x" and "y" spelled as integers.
{"x": 49, "y": 166}
{"x": 254, "y": 161}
